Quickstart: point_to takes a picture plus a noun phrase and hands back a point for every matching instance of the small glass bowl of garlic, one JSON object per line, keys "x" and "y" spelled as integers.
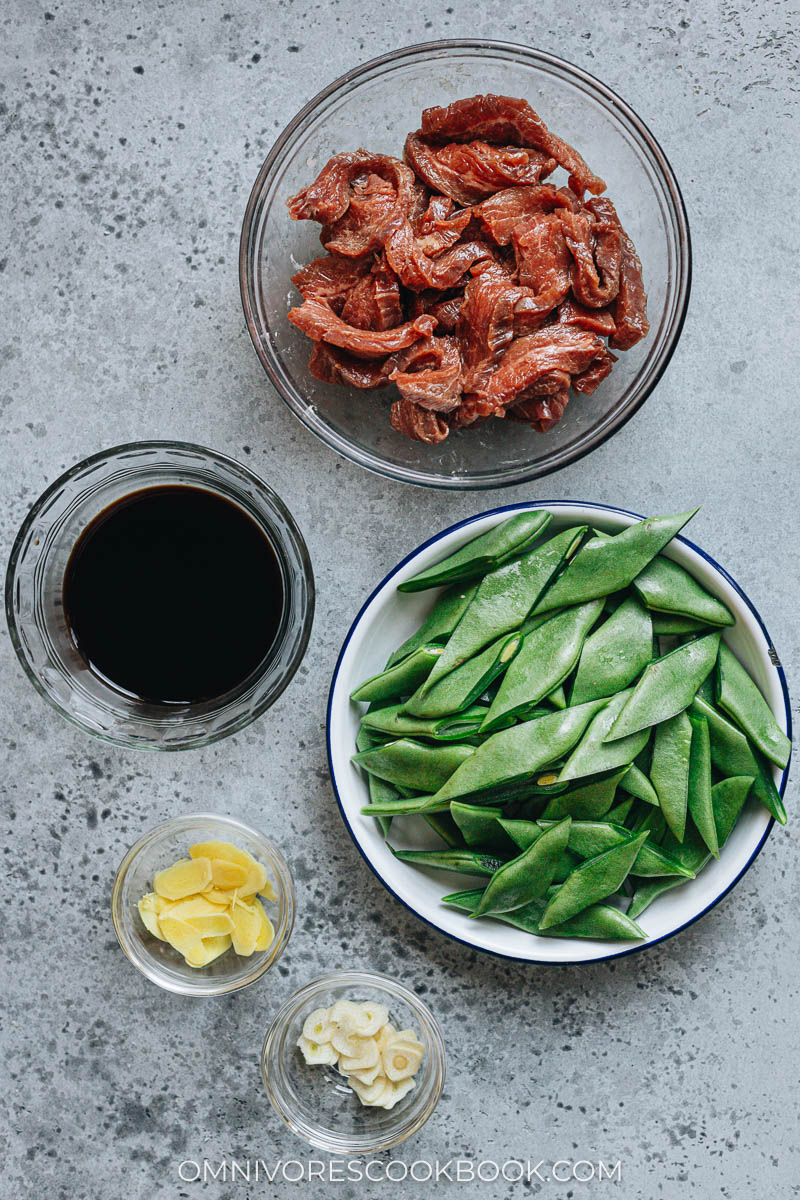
{"x": 354, "y": 1063}
{"x": 203, "y": 905}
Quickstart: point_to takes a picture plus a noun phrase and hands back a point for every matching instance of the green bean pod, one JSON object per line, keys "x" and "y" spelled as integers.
{"x": 467, "y": 862}
{"x": 546, "y": 658}
{"x": 666, "y": 587}
{"x": 462, "y": 687}
{"x": 414, "y": 764}
{"x": 509, "y": 761}
{"x": 593, "y": 753}
{"x": 615, "y": 655}
{"x": 592, "y": 881}
{"x": 738, "y": 696}
{"x": 401, "y": 679}
{"x": 667, "y": 686}
{"x": 503, "y": 600}
{"x": 600, "y": 921}
{"x": 669, "y": 770}
{"x": 447, "y": 611}
{"x": 528, "y": 876}
{"x": 481, "y": 829}
{"x": 588, "y": 802}
{"x": 608, "y": 564}
{"x": 484, "y": 553}
{"x": 732, "y": 754}
{"x": 590, "y": 838}
{"x": 699, "y": 798}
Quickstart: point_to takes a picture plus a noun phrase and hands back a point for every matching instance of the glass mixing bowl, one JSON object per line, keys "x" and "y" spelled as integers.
{"x": 157, "y": 960}
{"x": 375, "y": 106}
{"x": 35, "y": 609}
{"x": 316, "y": 1102}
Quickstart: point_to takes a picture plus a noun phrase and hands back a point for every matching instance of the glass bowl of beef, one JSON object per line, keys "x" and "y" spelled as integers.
{"x": 375, "y": 107}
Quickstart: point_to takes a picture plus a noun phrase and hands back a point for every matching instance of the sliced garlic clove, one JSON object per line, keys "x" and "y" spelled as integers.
{"x": 385, "y": 1036}
{"x": 399, "y": 1089}
{"x": 317, "y": 1026}
{"x": 350, "y": 1043}
{"x": 317, "y": 1053}
{"x": 372, "y": 1094}
{"x": 369, "y": 1019}
{"x": 365, "y": 1077}
{"x": 401, "y": 1058}
{"x": 368, "y": 1056}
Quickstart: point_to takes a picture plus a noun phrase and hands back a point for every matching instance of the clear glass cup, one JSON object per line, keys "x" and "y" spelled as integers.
{"x": 157, "y": 960}
{"x": 35, "y": 611}
{"x": 316, "y": 1101}
{"x": 375, "y": 106}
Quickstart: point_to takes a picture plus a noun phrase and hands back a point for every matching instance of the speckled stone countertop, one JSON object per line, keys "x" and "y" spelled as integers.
{"x": 132, "y": 135}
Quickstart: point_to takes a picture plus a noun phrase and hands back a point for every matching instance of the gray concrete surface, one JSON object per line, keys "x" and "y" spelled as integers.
{"x": 132, "y": 134}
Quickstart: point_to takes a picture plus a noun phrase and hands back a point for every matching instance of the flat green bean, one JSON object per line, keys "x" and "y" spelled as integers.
{"x": 546, "y": 658}
{"x": 528, "y": 876}
{"x": 509, "y": 761}
{"x": 669, "y": 770}
{"x": 594, "y": 753}
{"x": 462, "y": 687}
{"x": 503, "y": 600}
{"x": 666, "y": 587}
{"x": 738, "y": 696}
{"x": 401, "y": 679}
{"x": 732, "y": 754}
{"x": 667, "y": 686}
{"x": 615, "y": 655}
{"x": 447, "y": 611}
{"x": 593, "y": 881}
{"x": 699, "y": 799}
{"x": 414, "y": 764}
{"x": 483, "y": 553}
{"x": 608, "y": 564}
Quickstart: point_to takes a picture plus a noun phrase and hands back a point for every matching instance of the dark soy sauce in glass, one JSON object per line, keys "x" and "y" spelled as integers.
{"x": 173, "y": 594}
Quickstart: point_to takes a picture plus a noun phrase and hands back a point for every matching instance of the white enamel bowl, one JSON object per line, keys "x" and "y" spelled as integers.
{"x": 389, "y": 617}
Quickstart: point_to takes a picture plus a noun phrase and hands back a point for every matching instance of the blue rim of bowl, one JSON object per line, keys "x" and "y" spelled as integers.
{"x": 685, "y": 240}
{"x": 550, "y": 504}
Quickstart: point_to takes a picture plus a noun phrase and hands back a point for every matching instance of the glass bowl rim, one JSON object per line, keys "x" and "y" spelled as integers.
{"x": 368, "y": 459}
{"x": 554, "y": 505}
{"x": 224, "y": 986}
{"x": 416, "y": 1118}
{"x": 226, "y": 460}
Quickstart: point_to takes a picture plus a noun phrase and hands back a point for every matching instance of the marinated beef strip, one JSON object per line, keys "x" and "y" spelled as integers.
{"x": 439, "y": 228}
{"x": 331, "y": 278}
{"x": 446, "y": 311}
{"x": 331, "y": 365}
{"x": 598, "y": 320}
{"x": 318, "y": 321}
{"x": 328, "y": 198}
{"x": 417, "y": 422}
{"x": 462, "y": 278}
{"x": 589, "y": 380}
{"x": 630, "y": 306}
{"x": 429, "y": 373}
{"x": 596, "y": 246}
{"x": 505, "y": 121}
{"x": 468, "y": 172}
{"x": 543, "y": 259}
{"x": 553, "y": 348}
{"x": 516, "y": 207}
{"x": 374, "y": 301}
{"x": 417, "y": 271}
{"x": 541, "y": 412}
{"x": 485, "y": 326}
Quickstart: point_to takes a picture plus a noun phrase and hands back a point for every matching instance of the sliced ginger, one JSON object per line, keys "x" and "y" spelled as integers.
{"x": 204, "y": 904}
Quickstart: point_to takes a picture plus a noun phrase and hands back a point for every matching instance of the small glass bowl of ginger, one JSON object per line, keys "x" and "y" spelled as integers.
{"x": 182, "y": 853}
